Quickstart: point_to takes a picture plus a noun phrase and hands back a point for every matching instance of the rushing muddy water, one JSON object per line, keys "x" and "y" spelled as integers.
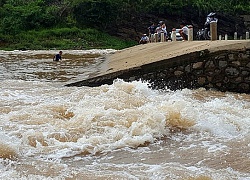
{"x": 119, "y": 131}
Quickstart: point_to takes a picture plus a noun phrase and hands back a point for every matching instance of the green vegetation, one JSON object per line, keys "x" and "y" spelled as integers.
{"x": 84, "y": 24}
{"x": 62, "y": 38}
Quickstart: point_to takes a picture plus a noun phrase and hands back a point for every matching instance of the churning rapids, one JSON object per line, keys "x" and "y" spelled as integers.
{"x": 119, "y": 131}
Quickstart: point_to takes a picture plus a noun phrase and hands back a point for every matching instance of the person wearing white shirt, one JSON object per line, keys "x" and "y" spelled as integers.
{"x": 184, "y": 31}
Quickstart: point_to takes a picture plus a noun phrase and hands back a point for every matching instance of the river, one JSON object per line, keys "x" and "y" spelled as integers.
{"x": 120, "y": 131}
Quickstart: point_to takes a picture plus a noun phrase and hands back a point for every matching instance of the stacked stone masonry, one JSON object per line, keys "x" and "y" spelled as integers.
{"x": 222, "y": 70}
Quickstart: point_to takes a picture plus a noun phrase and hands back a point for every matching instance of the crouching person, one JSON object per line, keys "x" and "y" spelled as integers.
{"x": 144, "y": 39}
{"x": 184, "y": 31}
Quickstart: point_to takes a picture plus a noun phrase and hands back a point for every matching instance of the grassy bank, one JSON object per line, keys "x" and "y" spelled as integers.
{"x": 62, "y": 38}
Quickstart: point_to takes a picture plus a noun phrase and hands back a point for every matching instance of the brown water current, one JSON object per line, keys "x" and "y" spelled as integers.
{"x": 120, "y": 131}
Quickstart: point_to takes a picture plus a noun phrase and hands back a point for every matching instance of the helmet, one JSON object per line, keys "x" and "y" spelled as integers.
{"x": 161, "y": 22}
{"x": 211, "y": 14}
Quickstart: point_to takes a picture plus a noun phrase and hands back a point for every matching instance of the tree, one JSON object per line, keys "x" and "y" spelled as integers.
{"x": 20, "y": 15}
{"x": 95, "y": 13}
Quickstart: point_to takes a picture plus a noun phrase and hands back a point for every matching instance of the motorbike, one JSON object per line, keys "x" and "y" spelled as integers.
{"x": 204, "y": 34}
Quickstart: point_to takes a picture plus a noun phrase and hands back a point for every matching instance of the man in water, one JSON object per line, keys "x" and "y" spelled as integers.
{"x": 58, "y": 57}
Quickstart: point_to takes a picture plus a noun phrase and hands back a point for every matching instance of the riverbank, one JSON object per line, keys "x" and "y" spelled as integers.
{"x": 62, "y": 39}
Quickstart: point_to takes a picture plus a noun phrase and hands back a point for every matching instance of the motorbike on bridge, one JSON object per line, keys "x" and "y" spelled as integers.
{"x": 204, "y": 34}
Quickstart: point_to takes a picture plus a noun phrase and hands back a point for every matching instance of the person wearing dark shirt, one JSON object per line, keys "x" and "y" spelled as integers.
{"x": 151, "y": 29}
{"x": 58, "y": 57}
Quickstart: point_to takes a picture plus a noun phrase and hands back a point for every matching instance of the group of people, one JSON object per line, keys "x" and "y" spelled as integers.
{"x": 153, "y": 29}
{"x": 162, "y": 28}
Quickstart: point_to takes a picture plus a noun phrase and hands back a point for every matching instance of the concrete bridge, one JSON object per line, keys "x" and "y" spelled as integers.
{"x": 222, "y": 65}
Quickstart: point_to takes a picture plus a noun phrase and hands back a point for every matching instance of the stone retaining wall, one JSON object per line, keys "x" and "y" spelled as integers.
{"x": 222, "y": 70}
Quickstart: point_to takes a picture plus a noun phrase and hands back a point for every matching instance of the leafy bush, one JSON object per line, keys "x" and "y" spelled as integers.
{"x": 62, "y": 38}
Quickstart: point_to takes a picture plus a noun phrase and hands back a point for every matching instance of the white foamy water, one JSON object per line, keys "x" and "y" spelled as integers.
{"x": 119, "y": 131}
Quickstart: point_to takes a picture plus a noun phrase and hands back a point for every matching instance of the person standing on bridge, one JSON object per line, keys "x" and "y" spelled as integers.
{"x": 151, "y": 29}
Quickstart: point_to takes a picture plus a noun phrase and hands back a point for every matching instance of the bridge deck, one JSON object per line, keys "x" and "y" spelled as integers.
{"x": 153, "y": 52}
{"x": 125, "y": 63}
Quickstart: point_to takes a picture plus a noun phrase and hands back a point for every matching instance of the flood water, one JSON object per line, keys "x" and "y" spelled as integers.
{"x": 119, "y": 131}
